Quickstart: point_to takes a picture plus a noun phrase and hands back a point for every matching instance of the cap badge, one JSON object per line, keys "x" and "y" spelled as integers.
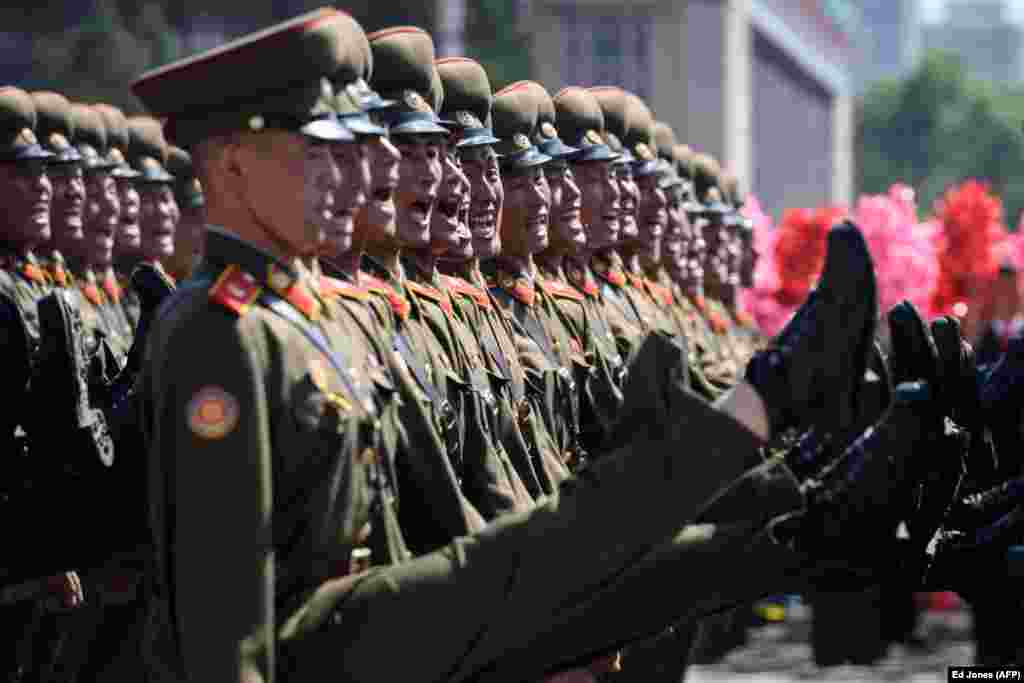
{"x": 644, "y": 152}
{"x": 26, "y": 137}
{"x": 467, "y": 120}
{"x": 58, "y": 141}
{"x": 256, "y": 123}
{"x": 521, "y": 142}
{"x": 548, "y": 130}
{"x": 116, "y": 156}
{"x": 593, "y": 137}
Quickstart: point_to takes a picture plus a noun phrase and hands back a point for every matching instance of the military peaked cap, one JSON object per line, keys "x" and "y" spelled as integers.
{"x": 515, "y": 116}
{"x": 545, "y": 135}
{"x": 705, "y": 175}
{"x": 353, "y": 98}
{"x": 18, "y": 140}
{"x": 277, "y": 78}
{"x": 403, "y": 62}
{"x": 639, "y": 135}
{"x": 664, "y": 139}
{"x": 579, "y": 119}
{"x": 90, "y": 137}
{"x": 147, "y": 150}
{"x": 467, "y": 100}
{"x": 187, "y": 189}
{"x": 612, "y": 100}
{"x": 54, "y": 126}
{"x": 118, "y": 139}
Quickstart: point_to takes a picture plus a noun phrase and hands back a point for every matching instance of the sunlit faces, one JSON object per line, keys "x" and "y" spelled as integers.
{"x": 524, "y": 220}
{"x": 449, "y": 228}
{"x": 487, "y": 195}
{"x": 673, "y": 247}
{"x": 697, "y": 252}
{"x": 158, "y": 212}
{"x": 102, "y": 215}
{"x": 268, "y": 173}
{"x": 26, "y": 194}
{"x": 376, "y": 222}
{"x": 68, "y": 203}
{"x": 600, "y": 208}
{"x": 419, "y": 175}
{"x": 129, "y": 234}
{"x": 344, "y": 194}
{"x": 629, "y": 198}
{"x": 566, "y": 224}
{"x": 651, "y": 217}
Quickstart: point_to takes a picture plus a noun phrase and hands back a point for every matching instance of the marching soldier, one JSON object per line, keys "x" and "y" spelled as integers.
{"x": 248, "y": 399}
{"x": 403, "y": 74}
{"x": 524, "y": 434}
{"x": 188, "y": 233}
{"x": 599, "y": 378}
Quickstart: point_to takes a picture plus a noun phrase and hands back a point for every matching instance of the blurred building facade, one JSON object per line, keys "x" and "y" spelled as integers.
{"x": 763, "y": 85}
{"x": 890, "y": 40}
{"x": 989, "y": 42}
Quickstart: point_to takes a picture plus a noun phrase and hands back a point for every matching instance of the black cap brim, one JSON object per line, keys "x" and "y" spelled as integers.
{"x": 125, "y": 172}
{"x": 556, "y": 149}
{"x": 423, "y": 126}
{"x": 26, "y": 153}
{"x": 645, "y": 168}
{"x": 716, "y": 207}
{"x": 476, "y": 137}
{"x": 327, "y": 129}
{"x": 360, "y": 124}
{"x": 526, "y": 159}
{"x": 596, "y": 153}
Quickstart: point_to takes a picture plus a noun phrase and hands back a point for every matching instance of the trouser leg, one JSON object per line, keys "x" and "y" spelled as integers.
{"x": 491, "y": 592}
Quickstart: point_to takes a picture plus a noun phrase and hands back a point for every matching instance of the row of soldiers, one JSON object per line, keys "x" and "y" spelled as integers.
{"x": 458, "y": 389}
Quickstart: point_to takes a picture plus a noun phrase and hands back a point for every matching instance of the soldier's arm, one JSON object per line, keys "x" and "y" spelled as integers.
{"x": 216, "y": 429}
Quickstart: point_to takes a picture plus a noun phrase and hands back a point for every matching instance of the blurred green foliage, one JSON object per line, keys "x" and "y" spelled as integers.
{"x": 938, "y": 127}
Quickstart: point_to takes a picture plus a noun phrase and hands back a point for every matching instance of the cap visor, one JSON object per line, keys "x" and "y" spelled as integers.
{"x": 360, "y": 124}
{"x": 716, "y": 207}
{"x": 526, "y": 159}
{"x": 556, "y": 149}
{"x": 125, "y": 172}
{"x": 327, "y": 130}
{"x": 419, "y": 127}
{"x": 28, "y": 153}
{"x": 643, "y": 168}
{"x": 597, "y": 153}
{"x": 478, "y": 140}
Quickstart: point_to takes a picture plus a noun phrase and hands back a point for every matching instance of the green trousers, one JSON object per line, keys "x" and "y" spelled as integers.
{"x": 612, "y": 559}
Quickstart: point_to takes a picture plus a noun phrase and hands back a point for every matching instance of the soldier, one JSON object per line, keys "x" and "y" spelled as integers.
{"x": 128, "y": 241}
{"x": 188, "y": 233}
{"x": 600, "y": 377}
{"x": 248, "y": 399}
{"x": 65, "y": 170}
{"x": 27, "y": 195}
{"x": 158, "y": 211}
{"x": 434, "y": 509}
{"x": 523, "y": 433}
{"x": 547, "y": 347}
{"x": 402, "y": 73}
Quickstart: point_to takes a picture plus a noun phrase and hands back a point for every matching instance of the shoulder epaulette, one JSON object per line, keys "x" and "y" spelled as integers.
{"x": 563, "y": 291}
{"x": 235, "y": 290}
{"x": 636, "y": 281}
{"x": 662, "y": 294}
{"x": 92, "y": 292}
{"x": 431, "y": 293}
{"x": 519, "y": 289}
{"x": 399, "y": 304}
{"x": 467, "y": 289}
{"x": 331, "y": 286}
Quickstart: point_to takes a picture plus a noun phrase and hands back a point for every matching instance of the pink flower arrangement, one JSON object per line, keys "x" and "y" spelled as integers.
{"x": 902, "y": 249}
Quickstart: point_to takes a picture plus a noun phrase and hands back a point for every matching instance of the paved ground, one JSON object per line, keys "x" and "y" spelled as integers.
{"x": 779, "y": 653}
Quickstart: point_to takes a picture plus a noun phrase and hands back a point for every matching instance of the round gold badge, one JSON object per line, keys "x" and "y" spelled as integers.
{"x": 521, "y": 142}
{"x": 593, "y": 137}
{"x": 547, "y": 130}
{"x": 212, "y": 413}
{"x": 256, "y": 123}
